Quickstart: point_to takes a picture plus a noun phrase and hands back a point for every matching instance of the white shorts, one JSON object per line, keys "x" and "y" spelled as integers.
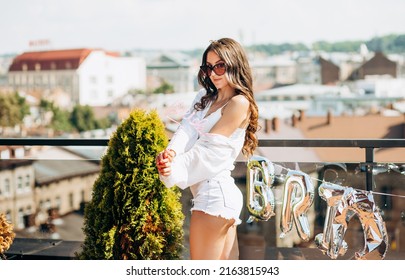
{"x": 221, "y": 198}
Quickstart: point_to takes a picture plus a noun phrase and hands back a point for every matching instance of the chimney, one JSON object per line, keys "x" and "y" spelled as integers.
{"x": 329, "y": 117}
{"x": 403, "y": 127}
{"x": 294, "y": 120}
{"x": 275, "y": 124}
{"x": 301, "y": 115}
{"x": 266, "y": 125}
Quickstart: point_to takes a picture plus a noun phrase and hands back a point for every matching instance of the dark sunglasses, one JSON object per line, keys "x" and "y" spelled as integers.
{"x": 219, "y": 69}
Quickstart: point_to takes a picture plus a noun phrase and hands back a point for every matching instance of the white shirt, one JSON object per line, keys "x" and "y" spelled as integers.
{"x": 201, "y": 155}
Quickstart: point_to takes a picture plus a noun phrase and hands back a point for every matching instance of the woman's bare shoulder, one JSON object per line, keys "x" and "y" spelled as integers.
{"x": 239, "y": 102}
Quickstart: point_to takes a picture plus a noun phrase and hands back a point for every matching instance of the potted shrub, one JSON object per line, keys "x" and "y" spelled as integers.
{"x": 7, "y": 235}
{"x": 132, "y": 215}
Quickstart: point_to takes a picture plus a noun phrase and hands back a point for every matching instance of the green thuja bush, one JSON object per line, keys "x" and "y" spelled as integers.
{"x": 132, "y": 215}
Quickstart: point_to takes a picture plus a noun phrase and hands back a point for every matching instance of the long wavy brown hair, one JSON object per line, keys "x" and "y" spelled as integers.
{"x": 239, "y": 76}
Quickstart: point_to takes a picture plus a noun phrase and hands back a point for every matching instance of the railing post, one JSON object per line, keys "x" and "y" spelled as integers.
{"x": 369, "y": 168}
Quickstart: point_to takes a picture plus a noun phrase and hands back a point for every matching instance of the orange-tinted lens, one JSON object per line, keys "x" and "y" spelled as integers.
{"x": 206, "y": 69}
{"x": 219, "y": 68}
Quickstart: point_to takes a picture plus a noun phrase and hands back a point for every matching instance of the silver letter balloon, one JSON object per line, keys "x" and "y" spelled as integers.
{"x": 298, "y": 197}
{"x": 343, "y": 203}
{"x": 259, "y": 196}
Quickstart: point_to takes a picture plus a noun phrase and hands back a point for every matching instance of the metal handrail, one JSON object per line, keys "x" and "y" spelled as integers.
{"x": 314, "y": 143}
{"x": 333, "y": 143}
{"x": 368, "y": 144}
{"x": 53, "y": 142}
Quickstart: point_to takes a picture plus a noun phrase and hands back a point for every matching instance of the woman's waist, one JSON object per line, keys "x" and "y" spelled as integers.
{"x": 222, "y": 177}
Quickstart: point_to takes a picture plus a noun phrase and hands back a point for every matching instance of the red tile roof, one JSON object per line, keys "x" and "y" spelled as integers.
{"x": 341, "y": 127}
{"x": 355, "y": 127}
{"x": 52, "y": 60}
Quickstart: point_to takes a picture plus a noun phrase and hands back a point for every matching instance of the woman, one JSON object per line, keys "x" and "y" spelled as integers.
{"x": 221, "y": 123}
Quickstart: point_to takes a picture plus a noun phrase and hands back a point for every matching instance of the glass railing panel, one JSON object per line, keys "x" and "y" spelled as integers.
{"x": 44, "y": 195}
{"x": 388, "y": 197}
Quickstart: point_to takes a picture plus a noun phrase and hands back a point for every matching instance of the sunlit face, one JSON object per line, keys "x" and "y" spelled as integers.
{"x": 220, "y": 82}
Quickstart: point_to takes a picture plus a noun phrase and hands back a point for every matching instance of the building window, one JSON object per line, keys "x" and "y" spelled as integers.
{"x": 53, "y": 66}
{"x": 67, "y": 80}
{"x": 27, "y": 182}
{"x": 68, "y": 65}
{"x": 7, "y": 189}
{"x": 52, "y": 80}
{"x": 18, "y": 153}
{"x": 20, "y": 218}
{"x": 19, "y": 184}
{"x": 110, "y": 79}
{"x": 71, "y": 202}
{"x": 58, "y": 202}
{"x": 8, "y": 216}
{"x": 47, "y": 204}
{"x": 37, "y": 66}
{"x": 110, "y": 93}
{"x": 45, "y": 79}
{"x": 93, "y": 79}
{"x": 24, "y": 67}
{"x": 38, "y": 80}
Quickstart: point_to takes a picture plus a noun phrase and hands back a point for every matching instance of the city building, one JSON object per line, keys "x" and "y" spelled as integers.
{"x": 176, "y": 69}
{"x": 379, "y": 64}
{"x": 33, "y": 190}
{"x": 5, "y": 61}
{"x": 17, "y": 190}
{"x": 91, "y": 77}
{"x": 317, "y": 70}
{"x": 273, "y": 71}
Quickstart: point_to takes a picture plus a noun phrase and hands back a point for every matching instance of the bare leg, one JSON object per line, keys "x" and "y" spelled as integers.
{"x": 209, "y": 236}
{"x": 231, "y": 247}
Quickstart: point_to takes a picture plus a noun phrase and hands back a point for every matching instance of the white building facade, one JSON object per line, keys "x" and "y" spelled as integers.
{"x": 88, "y": 76}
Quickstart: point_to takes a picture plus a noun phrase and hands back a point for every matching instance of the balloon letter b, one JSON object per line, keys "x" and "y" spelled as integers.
{"x": 259, "y": 196}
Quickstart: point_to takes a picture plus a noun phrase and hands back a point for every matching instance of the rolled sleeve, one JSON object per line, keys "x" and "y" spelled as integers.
{"x": 185, "y": 135}
{"x": 211, "y": 154}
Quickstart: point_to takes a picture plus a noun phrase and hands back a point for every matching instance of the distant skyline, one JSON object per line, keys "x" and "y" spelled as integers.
{"x": 121, "y": 25}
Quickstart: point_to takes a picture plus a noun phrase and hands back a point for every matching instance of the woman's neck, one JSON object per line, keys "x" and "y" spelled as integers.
{"x": 225, "y": 94}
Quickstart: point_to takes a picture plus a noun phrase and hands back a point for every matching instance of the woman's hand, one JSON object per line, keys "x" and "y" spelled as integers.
{"x": 164, "y": 160}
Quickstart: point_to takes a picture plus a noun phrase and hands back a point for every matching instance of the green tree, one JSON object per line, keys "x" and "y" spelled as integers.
{"x": 13, "y": 109}
{"x": 82, "y": 118}
{"x": 164, "y": 87}
{"x": 22, "y": 105}
{"x": 132, "y": 215}
{"x": 60, "y": 118}
{"x": 344, "y": 46}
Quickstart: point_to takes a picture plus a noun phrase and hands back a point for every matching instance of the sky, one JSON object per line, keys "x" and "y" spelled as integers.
{"x": 122, "y": 25}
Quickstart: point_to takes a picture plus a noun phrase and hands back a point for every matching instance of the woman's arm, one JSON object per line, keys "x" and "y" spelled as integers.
{"x": 185, "y": 133}
{"x": 233, "y": 116}
{"x": 210, "y": 154}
